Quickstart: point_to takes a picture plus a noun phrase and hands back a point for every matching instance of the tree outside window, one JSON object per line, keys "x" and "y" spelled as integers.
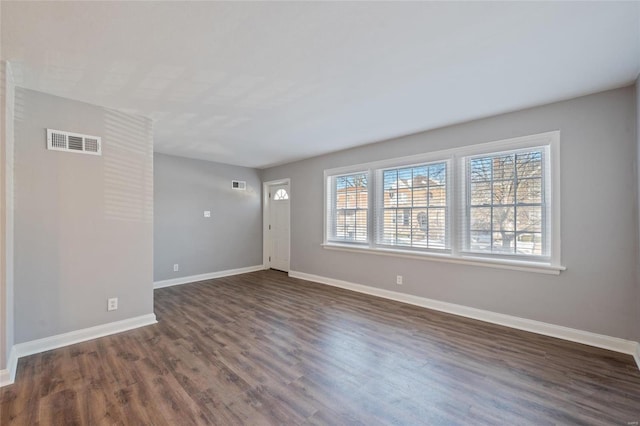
{"x": 506, "y": 203}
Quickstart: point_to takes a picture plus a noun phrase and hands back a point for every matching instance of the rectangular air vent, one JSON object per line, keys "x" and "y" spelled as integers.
{"x": 239, "y": 184}
{"x": 59, "y": 140}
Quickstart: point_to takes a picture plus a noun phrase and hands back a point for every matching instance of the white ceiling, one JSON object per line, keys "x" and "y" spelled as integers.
{"x": 257, "y": 84}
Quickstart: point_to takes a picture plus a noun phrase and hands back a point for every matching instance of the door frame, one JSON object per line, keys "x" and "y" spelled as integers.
{"x": 266, "y": 203}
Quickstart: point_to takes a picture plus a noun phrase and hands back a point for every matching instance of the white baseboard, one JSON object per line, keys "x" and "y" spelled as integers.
{"x": 12, "y": 364}
{"x": 209, "y": 276}
{"x": 8, "y": 375}
{"x": 77, "y": 336}
{"x": 53, "y": 342}
{"x": 592, "y": 339}
{"x": 5, "y": 377}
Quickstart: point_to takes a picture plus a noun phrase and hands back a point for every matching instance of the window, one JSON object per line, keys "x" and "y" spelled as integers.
{"x": 281, "y": 195}
{"x": 414, "y": 206}
{"x": 348, "y": 208}
{"x": 491, "y": 204}
{"x": 506, "y": 203}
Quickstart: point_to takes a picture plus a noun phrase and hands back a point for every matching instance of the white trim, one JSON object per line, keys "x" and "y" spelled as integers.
{"x": 12, "y": 364}
{"x": 325, "y": 197}
{"x": 77, "y": 336}
{"x": 265, "y": 219}
{"x": 8, "y": 375}
{"x": 54, "y": 342}
{"x": 7, "y": 311}
{"x": 556, "y": 206}
{"x": 209, "y": 276}
{"x": 560, "y": 332}
{"x": 499, "y": 263}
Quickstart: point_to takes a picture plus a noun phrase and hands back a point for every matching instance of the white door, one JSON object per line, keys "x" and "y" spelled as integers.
{"x": 279, "y": 227}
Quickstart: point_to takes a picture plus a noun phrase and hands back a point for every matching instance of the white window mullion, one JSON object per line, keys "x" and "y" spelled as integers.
{"x": 454, "y": 214}
{"x": 552, "y": 198}
{"x": 371, "y": 217}
{"x": 378, "y": 208}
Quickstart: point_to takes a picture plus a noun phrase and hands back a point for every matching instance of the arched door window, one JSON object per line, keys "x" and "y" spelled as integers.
{"x": 281, "y": 194}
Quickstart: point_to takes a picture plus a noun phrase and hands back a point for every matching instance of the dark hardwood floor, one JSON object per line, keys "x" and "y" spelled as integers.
{"x": 262, "y": 348}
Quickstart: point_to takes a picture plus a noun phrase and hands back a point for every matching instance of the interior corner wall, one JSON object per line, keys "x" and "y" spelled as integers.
{"x": 596, "y": 293}
{"x": 230, "y": 239}
{"x": 83, "y": 223}
{"x": 7, "y": 96}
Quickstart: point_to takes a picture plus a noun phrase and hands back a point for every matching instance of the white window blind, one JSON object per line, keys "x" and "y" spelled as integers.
{"x": 411, "y": 207}
{"x": 348, "y": 208}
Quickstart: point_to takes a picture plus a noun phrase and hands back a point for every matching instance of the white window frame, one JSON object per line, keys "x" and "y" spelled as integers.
{"x": 332, "y": 176}
{"x": 464, "y": 210}
{"x": 456, "y": 187}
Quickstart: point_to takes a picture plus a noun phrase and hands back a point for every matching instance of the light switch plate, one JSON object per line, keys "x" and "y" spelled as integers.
{"x": 207, "y": 213}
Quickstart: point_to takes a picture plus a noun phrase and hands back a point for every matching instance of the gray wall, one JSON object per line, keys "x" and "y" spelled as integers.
{"x": 7, "y": 95}
{"x": 83, "y": 223}
{"x": 599, "y": 224}
{"x": 231, "y": 238}
{"x": 638, "y": 211}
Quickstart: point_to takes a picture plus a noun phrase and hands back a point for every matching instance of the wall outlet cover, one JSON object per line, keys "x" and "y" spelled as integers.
{"x": 112, "y": 304}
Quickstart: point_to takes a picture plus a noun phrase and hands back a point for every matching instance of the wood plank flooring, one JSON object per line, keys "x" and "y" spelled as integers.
{"x": 263, "y": 348}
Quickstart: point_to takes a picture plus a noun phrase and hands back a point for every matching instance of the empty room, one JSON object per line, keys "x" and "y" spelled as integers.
{"x": 337, "y": 213}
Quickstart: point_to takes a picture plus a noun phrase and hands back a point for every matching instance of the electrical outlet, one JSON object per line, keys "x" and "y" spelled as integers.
{"x": 176, "y": 267}
{"x": 112, "y": 304}
{"x": 207, "y": 213}
{"x": 399, "y": 279}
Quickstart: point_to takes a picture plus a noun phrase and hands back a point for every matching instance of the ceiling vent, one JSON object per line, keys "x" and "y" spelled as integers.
{"x": 239, "y": 184}
{"x": 73, "y": 142}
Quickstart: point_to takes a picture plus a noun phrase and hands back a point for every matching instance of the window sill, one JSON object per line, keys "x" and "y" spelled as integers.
{"x": 516, "y": 265}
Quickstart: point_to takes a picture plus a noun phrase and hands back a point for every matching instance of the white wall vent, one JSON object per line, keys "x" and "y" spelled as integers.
{"x": 239, "y": 184}
{"x": 59, "y": 140}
